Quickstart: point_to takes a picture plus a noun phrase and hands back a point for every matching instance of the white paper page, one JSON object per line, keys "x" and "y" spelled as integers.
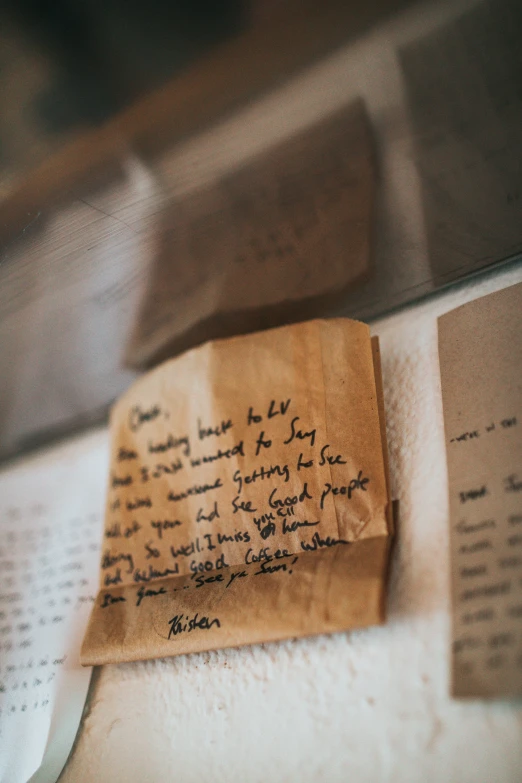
{"x": 51, "y": 511}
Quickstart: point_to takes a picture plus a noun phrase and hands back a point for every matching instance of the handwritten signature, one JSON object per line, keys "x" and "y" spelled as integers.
{"x": 182, "y": 623}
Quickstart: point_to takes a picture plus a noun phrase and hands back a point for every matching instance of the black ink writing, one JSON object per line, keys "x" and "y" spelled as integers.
{"x": 162, "y": 469}
{"x": 109, "y": 600}
{"x": 116, "y": 531}
{"x": 117, "y": 481}
{"x": 132, "y": 505}
{"x": 260, "y": 442}
{"x": 477, "y": 546}
{"x": 172, "y": 442}
{"x": 235, "y": 575}
{"x": 109, "y": 560}
{"x": 138, "y": 417}
{"x": 289, "y": 500}
{"x": 358, "y": 483}
{"x": 252, "y": 418}
{"x": 203, "y": 579}
{"x": 239, "y": 536}
{"x": 291, "y": 527}
{"x": 320, "y": 543}
{"x": 182, "y": 623}
{"x": 227, "y": 454}
{"x": 264, "y": 554}
{"x": 197, "y": 489}
{"x": 473, "y": 494}
{"x": 265, "y": 525}
{"x": 243, "y": 505}
{"x": 113, "y": 579}
{"x": 283, "y": 407}
{"x": 475, "y": 527}
{"x": 208, "y": 516}
{"x": 209, "y": 565}
{"x": 295, "y": 433}
{"x": 220, "y": 429}
{"x": 329, "y": 459}
{"x": 486, "y": 591}
{"x": 159, "y": 525}
{"x": 125, "y": 454}
{"x": 147, "y": 575}
{"x": 260, "y": 474}
{"x": 152, "y": 551}
{"x": 467, "y": 572}
{"x": 148, "y": 592}
{"x": 465, "y": 437}
{"x": 303, "y": 463}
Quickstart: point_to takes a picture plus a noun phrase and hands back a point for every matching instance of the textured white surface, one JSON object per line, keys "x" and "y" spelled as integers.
{"x": 371, "y": 705}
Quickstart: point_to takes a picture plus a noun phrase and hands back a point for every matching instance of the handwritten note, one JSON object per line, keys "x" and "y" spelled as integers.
{"x": 50, "y": 524}
{"x": 247, "y": 496}
{"x": 480, "y": 347}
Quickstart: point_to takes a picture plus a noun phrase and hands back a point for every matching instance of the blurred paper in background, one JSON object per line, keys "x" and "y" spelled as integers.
{"x": 124, "y": 245}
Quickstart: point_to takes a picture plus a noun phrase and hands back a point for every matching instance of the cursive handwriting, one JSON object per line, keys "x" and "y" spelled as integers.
{"x": 260, "y": 474}
{"x": 109, "y": 600}
{"x": 108, "y": 560}
{"x": 197, "y": 489}
{"x": 220, "y": 429}
{"x": 295, "y": 433}
{"x": 182, "y": 623}
{"x": 171, "y": 442}
{"x": 148, "y": 592}
{"x": 138, "y": 417}
{"x": 320, "y": 543}
{"x": 348, "y": 490}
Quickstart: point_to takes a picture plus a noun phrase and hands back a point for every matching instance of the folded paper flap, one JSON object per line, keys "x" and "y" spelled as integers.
{"x": 247, "y": 450}
{"x": 293, "y": 595}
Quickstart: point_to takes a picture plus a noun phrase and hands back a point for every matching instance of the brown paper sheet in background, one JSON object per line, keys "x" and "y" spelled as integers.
{"x": 208, "y": 544}
{"x": 480, "y": 349}
{"x": 282, "y": 238}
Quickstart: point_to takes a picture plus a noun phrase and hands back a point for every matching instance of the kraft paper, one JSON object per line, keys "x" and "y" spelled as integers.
{"x": 248, "y": 496}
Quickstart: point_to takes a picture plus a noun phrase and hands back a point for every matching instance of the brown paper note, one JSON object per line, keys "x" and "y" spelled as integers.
{"x": 248, "y": 496}
{"x": 480, "y": 349}
{"x": 283, "y": 237}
